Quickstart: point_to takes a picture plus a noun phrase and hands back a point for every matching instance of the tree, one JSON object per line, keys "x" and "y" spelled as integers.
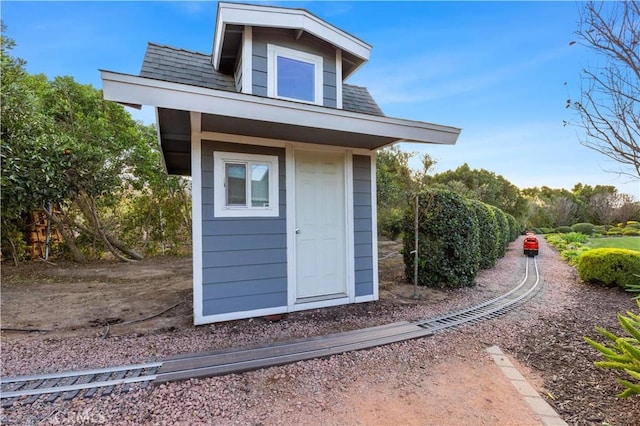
{"x": 604, "y": 208}
{"x": 484, "y": 186}
{"x": 608, "y": 108}
{"x": 563, "y": 210}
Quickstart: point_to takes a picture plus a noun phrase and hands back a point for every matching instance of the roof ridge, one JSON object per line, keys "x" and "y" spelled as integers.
{"x": 151, "y": 43}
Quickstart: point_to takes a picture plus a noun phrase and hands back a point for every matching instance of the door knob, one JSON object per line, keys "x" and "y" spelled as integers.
{"x": 298, "y": 231}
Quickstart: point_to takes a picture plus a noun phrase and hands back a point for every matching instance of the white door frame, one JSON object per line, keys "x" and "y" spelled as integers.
{"x": 292, "y": 304}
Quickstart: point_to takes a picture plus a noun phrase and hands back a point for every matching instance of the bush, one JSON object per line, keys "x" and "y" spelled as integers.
{"x": 610, "y": 266}
{"x": 599, "y": 230}
{"x": 488, "y": 233}
{"x": 514, "y": 228}
{"x": 584, "y": 228}
{"x": 633, "y": 224}
{"x": 503, "y": 229}
{"x": 390, "y": 222}
{"x": 448, "y": 248}
{"x": 563, "y": 229}
{"x": 631, "y": 232}
{"x": 614, "y": 230}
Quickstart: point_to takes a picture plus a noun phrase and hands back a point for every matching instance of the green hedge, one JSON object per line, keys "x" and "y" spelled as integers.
{"x": 503, "y": 228}
{"x": 584, "y": 228}
{"x": 448, "y": 240}
{"x": 514, "y": 228}
{"x": 610, "y": 266}
{"x": 563, "y": 229}
{"x": 615, "y": 230}
{"x": 488, "y": 233}
{"x": 631, "y": 232}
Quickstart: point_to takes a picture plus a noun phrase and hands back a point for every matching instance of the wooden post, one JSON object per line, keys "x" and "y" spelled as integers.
{"x": 416, "y": 257}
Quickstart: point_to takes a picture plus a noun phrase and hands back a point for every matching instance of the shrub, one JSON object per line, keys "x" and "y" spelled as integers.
{"x": 614, "y": 230}
{"x": 631, "y": 232}
{"x": 390, "y": 222}
{"x": 610, "y": 266}
{"x": 622, "y": 353}
{"x": 563, "y": 229}
{"x": 514, "y": 228}
{"x": 584, "y": 228}
{"x": 600, "y": 230}
{"x": 633, "y": 224}
{"x": 503, "y": 229}
{"x": 488, "y": 233}
{"x": 448, "y": 246}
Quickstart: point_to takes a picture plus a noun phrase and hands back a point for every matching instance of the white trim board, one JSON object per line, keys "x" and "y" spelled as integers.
{"x": 196, "y": 215}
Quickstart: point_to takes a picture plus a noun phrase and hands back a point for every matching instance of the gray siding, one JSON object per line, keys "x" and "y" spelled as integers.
{"x": 362, "y": 226}
{"x": 244, "y": 260}
{"x": 306, "y": 43}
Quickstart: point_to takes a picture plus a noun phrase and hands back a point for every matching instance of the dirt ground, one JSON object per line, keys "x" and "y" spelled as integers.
{"x": 65, "y": 299}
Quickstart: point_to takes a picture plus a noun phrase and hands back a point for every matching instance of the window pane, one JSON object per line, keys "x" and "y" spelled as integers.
{"x": 236, "y": 184}
{"x": 259, "y": 185}
{"x": 296, "y": 79}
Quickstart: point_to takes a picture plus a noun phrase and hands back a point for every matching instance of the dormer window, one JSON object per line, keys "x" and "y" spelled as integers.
{"x": 294, "y": 75}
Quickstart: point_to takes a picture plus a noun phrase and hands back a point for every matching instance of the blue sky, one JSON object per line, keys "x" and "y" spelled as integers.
{"x": 495, "y": 69}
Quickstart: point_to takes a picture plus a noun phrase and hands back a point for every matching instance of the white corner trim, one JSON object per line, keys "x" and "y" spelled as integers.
{"x": 196, "y": 215}
{"x": 247, "y": 60}
{"x": 339, "y": 79}
{"x": 367, "y": 298}
{"x": 291, "y": 225}
{"x": 374, "y": 227}
{"x": 349, "y": 228}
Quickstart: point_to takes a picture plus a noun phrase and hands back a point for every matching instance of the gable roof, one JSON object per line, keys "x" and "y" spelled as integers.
{"x": 183, "y": 66}
{"x": 233, "y": 17}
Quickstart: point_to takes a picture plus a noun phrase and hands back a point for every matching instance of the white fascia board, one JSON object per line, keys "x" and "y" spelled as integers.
{"x": 276, "y": 17}
{"x": 123, "y": 88}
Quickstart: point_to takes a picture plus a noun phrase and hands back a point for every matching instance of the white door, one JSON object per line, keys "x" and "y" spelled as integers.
{"x": 320, "y": 226}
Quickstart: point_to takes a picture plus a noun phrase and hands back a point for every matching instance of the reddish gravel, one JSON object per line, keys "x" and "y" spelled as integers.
{"x": 544, "y": 337}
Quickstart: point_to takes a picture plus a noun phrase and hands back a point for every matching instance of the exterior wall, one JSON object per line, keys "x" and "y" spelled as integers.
{"x": 363, "y": 226}
{"x": 306, "y": 43}
{"x": 244, "y": 260}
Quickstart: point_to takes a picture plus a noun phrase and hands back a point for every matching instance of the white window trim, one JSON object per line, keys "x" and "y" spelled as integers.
{"x": 219, "y": 207}
{"x": 273, "y": 51}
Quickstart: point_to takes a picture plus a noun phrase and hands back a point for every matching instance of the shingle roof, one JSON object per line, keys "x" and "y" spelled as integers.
{"x": 183, "y": 66}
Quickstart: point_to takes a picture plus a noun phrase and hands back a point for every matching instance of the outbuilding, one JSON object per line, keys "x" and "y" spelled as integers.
{"x": 282, "y": 157}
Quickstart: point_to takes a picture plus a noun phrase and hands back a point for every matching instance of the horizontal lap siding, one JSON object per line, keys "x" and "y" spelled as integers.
{"x": 362, "y": 226}
{"x": 244, "y": 260}
{"x": 309, "y": 44}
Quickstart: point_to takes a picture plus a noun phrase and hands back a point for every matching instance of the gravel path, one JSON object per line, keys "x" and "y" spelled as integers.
{"x": 545, "y": 337}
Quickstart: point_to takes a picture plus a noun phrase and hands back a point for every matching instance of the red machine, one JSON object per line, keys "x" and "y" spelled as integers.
{"x": 530, "y": 244}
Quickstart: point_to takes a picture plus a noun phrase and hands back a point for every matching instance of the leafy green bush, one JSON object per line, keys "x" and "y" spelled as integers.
{"x": 449, "y": 253}
{"x": 563, "y": 229}
{"x": 569, "y": 245}
{"x": 599, "y": 230}
{"x": 622, "y": 353}
{"x": 633, "y": 224}
{"x": 631, "y": 232}
{"x": 614, "y": 230}
{"x": 503, "y": 231}
{"x": 488, "y": 233}
{"x": 610, "y": 266}
{"x": 390, "y": 221}
{"x": 514, "y": 227}
{"x": 584, "y": 228}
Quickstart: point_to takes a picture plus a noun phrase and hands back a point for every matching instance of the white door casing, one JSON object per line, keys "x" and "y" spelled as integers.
{"x": 320, "y": 226}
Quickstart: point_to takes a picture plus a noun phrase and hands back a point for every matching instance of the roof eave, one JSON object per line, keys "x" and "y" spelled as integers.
{"x": 130, "y": 89}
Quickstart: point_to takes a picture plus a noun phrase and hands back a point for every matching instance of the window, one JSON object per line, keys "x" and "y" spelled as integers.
{"x": 245, "y": 185}
{"x": 294, "y": 75}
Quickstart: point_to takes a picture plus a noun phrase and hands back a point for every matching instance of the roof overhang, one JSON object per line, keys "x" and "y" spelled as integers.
{"x": 230, "y": 15}
{"x": 240, "y": 114}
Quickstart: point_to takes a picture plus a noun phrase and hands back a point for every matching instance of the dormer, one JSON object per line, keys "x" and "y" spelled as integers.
{"x": 283, "y": 53}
